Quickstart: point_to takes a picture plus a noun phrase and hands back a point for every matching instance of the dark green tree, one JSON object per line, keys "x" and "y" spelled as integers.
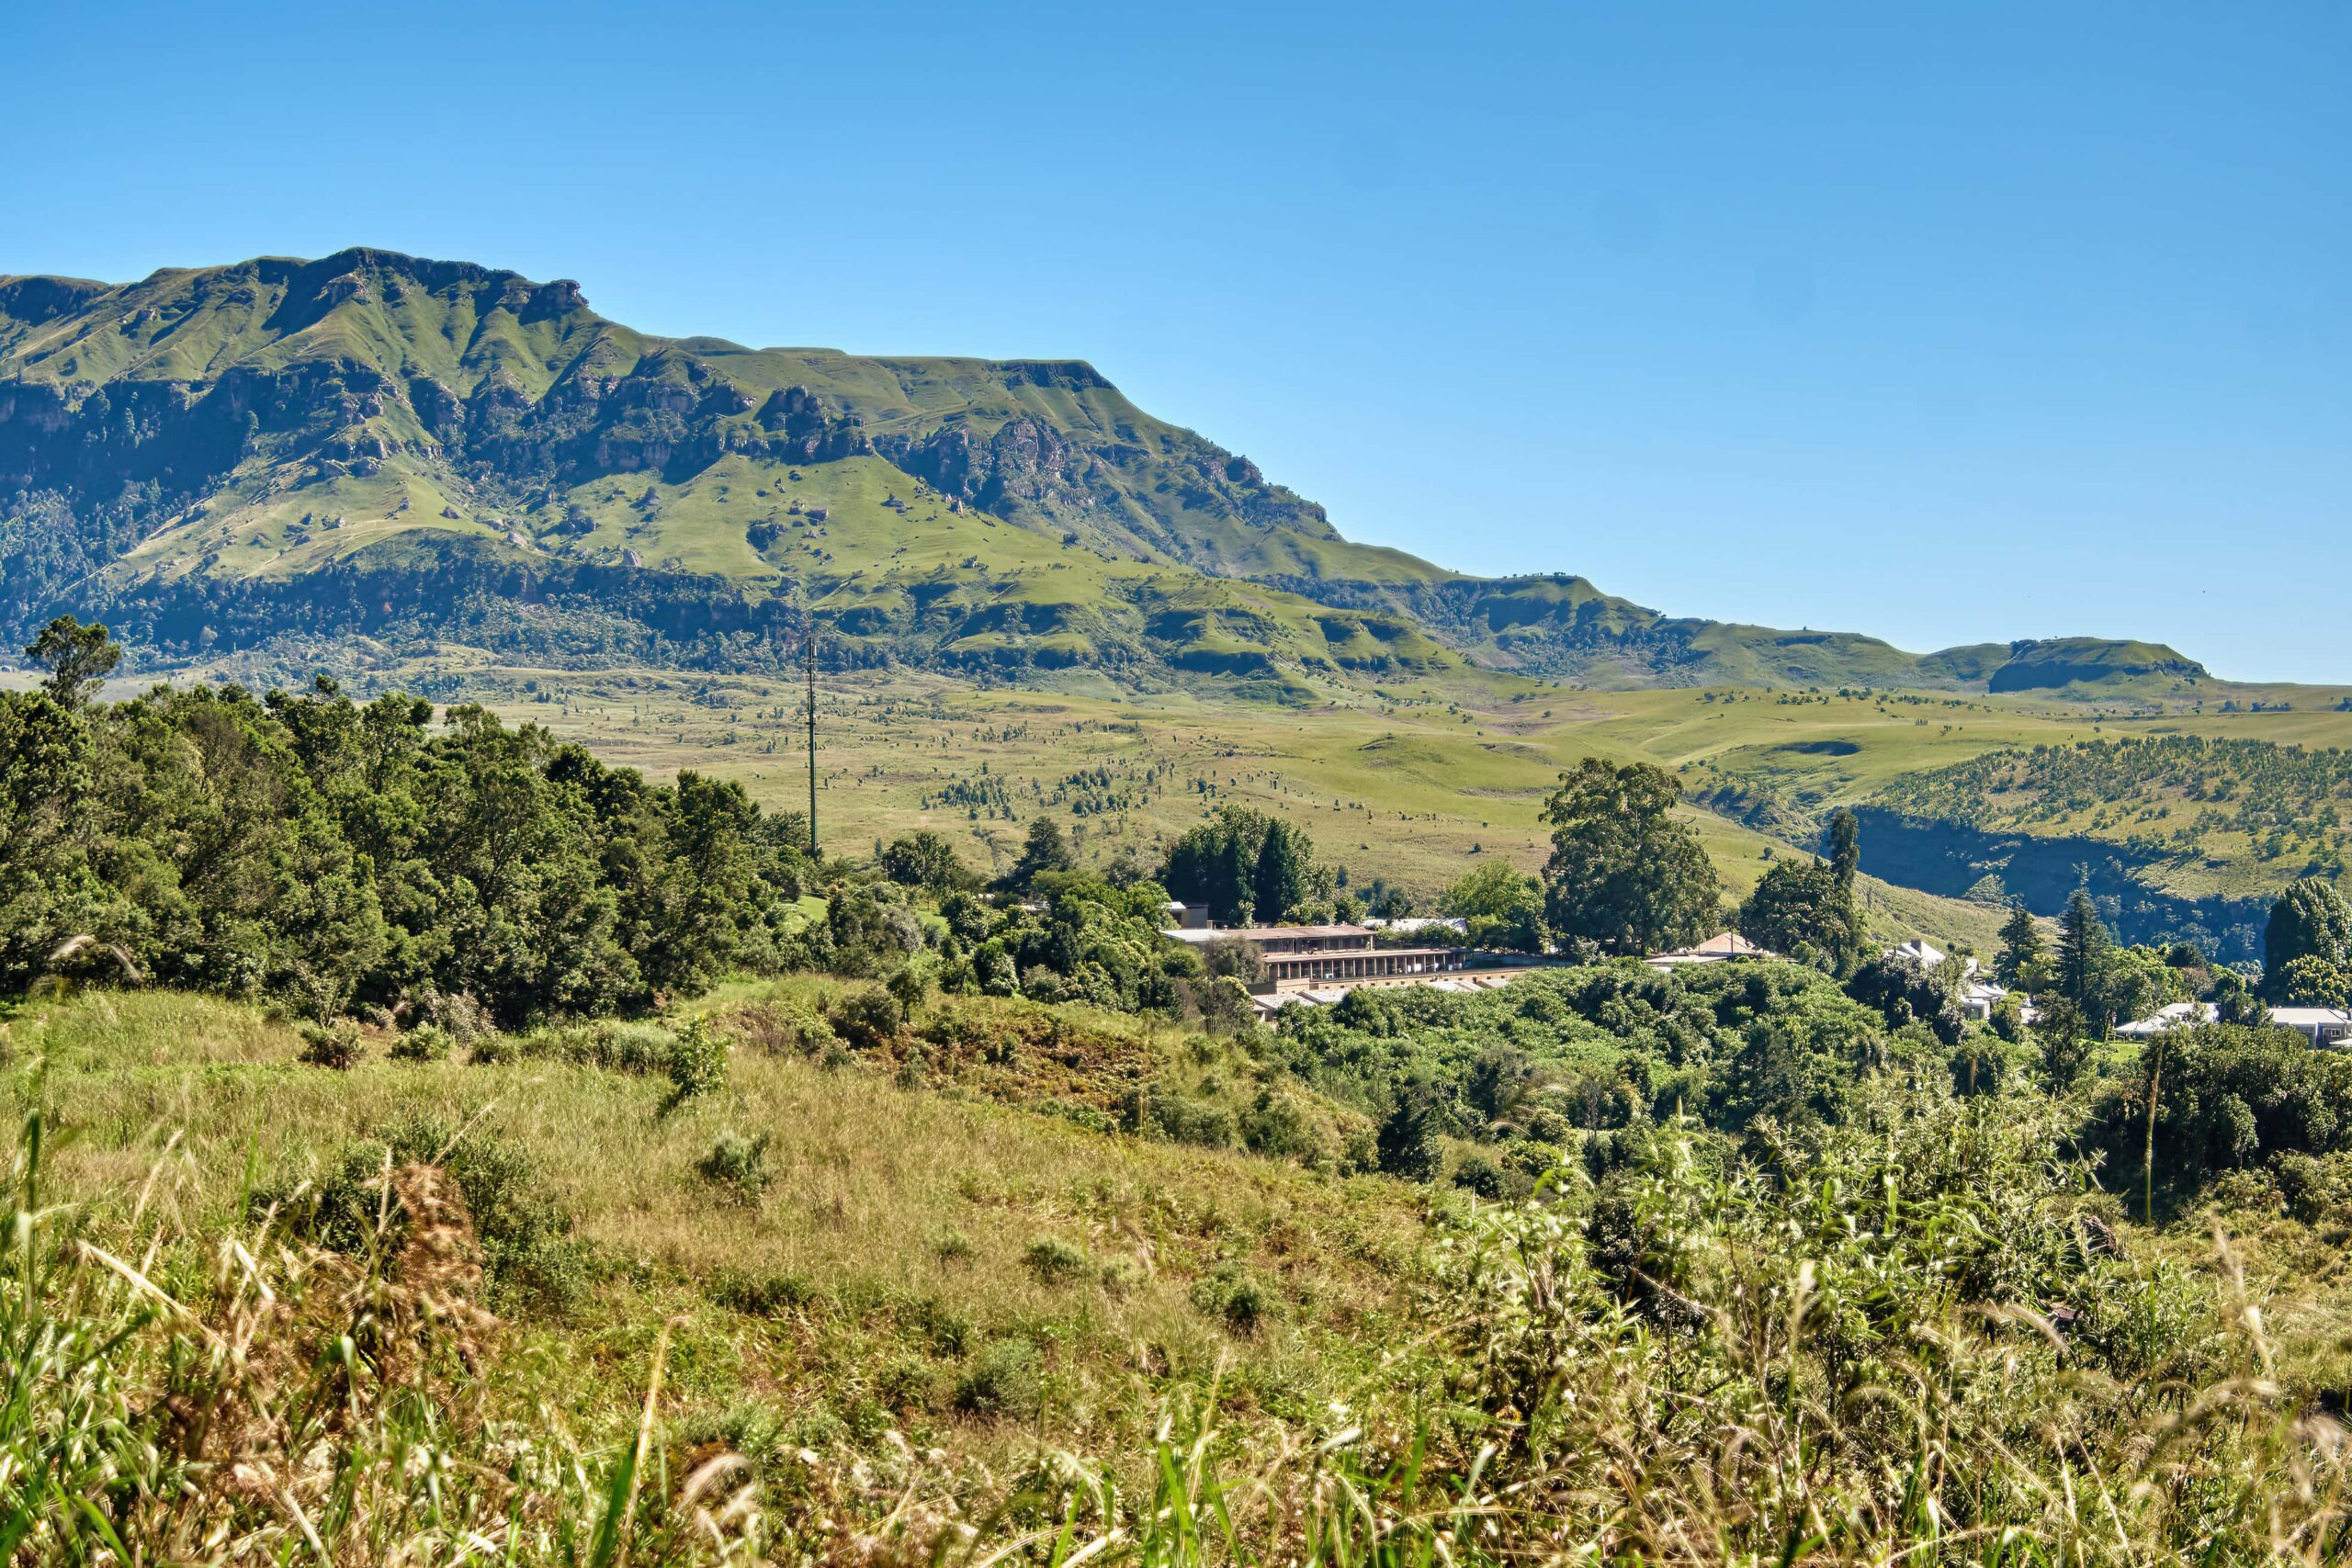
{"x": 78, "y": 660}
{"x": 1624, "y": 874}
{"x": 2310, "y": 920}
{"x": 1242, "y": 866}
{"x": 1845, "y": 847}
{"x": 2021, "y": 948}
{"x": 1501, "y": 906}
{"x": 1044, "y": 851}
{"x": 1284, "y": 876}
{"x": 2062, "y": 1034}
{"x": 2083, "y": 949}
{"x": 1407, "y": 1140}
{"x": 925, "y": 858}
{"x": 1801, "y": 909}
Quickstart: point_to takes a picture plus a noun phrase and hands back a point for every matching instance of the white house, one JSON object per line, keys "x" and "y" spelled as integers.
{"x": 2321, "y": 1026}
{"x": 1977, "y": 996}
{"x": 2175, "y": 1015}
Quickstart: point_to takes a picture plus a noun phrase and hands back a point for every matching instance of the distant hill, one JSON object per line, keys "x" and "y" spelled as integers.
{"x": 376, "y": 445}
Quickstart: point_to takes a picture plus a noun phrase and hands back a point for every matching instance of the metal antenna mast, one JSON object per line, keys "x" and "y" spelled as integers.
{"x": 809, "y": 662}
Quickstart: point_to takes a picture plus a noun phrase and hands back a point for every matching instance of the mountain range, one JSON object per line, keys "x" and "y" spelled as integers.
{"x": 374, "y": 448}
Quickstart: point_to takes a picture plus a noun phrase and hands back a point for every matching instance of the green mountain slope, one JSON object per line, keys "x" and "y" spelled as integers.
{"x": 375, "y": 444}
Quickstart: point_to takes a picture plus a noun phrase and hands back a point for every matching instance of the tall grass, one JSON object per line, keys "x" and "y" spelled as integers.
{"x": 1916, "y": 1337}
{"x": 304, "y": 1406}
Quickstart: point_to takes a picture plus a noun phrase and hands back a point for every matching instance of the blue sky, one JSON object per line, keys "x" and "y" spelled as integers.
{"x": 1985, "y": 322}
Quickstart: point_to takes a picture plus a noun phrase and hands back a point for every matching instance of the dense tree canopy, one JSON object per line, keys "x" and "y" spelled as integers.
{"x": 331, "y": 854}
{"x": 2310, "y": 921}
{"x": 1624, "y": 874}
{"x": 1244, "y": 865}
{"x": 1803, "y": 910}
{"x": 1501, "y": 905}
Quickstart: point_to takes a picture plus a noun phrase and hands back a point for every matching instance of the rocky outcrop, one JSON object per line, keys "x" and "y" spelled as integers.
{"x": 1024, "y": 464}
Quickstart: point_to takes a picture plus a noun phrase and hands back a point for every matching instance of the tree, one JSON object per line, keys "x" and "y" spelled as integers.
{"x": 2018, "y": 964}
{"x": 1045, "y": 850}
{"x": 925, "y": 858}
{"x": 2312, "y": 981}
{"x": 2083, "y": 949}
{"x": 2137, "y": 982}
{"x": 1845, "y": 847}
{"x": 1283, "y": 874}
{"x": 1407, "y": 1141}
{"x": 2235, "y": 1000}
{"x": 2063, "y": 1034}
{"x": 78, "y": 658}
{"x": 2310, "y": 920}
{"x": 1233, "y": 958}
{"x": 1906, "y": 991}
{"x": 1501, "y": 906}
{"x": 1624, "y": 874}
{"x": 1243, "y": 865}
{"x": 1802, "y": 911}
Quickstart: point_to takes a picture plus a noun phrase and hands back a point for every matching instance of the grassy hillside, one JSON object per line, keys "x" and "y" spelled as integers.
{"x": 531, "y": 1306}
{"x": 978, "y": 1275}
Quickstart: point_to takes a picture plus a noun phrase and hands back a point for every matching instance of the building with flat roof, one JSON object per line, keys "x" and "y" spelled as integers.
{"x": 1360, "y": 966}
{"x": 1274, "y": 939}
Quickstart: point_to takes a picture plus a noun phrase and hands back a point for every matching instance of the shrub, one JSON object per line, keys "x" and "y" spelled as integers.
{"x": 2317, "y": 1188}
{"x": 646, "y": 1049}
{"x": 334, "y": 1045}
{"x": 465, "y": 1020}
{"x": 425, "y": 1043}
{"x": 1236, "y": 1297}
{"x": 1483, "y": 1177}
{"x": 697, "y": 1061}
{"x": 1180, "y": 1118}
{"x": 910, "y": 987}
{"x": 866, "y": 1020}
{"x": 1054, "y": 1260}
{"x": 737, "y": 1162}
{"x": 905, "y": 1384}
{"x": 530, "y": 1258}
{"x": 1281, "y": 1125}
{"x": 1003, "y": 1379}
{"x": 758, "y": 1295}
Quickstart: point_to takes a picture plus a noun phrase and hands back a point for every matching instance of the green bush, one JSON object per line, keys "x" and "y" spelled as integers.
{"x": 1003, "y": 1379}
{"x": 905, "y": 1384}
{"x": 1236, "y": 1297}
{"x": 758, "y": 1295}
{"x": 1123, "y": 1275}
{"x": 531, "y": 1260}
{"x": 866, "y": 1020}
{"x": 1180, "y": 1118}
{"x": 425, "y": 1043}
{"x": 2317, "y": 1188}
{"x": 697, "y": 1061}
{"x": 334, "y": 1045}
{"x": 1054, "y": 1260}
{"x": 739, "y": 1163}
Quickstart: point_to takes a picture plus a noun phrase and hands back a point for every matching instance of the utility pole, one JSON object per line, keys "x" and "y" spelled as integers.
{"x": 809, "y": 662}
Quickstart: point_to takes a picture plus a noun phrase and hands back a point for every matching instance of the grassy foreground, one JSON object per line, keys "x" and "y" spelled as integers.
{"x": 541, "y": 1303}
{"x": 894, "y": 1268}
